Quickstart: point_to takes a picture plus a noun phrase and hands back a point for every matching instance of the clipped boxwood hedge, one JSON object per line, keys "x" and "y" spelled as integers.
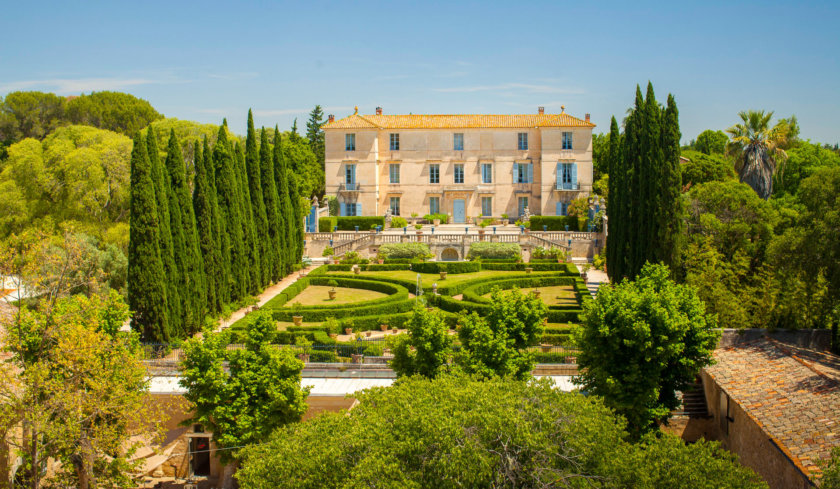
{"x": 327, "y": 224}
{"x": 349, "y": 310}
{"x": 520, "y": 267}
{"x": 370, "y": 267}
{"x": 486, "y": 249}
{"x": 556, "y": 339}
{"x": 553, "y": 357}
{"x": 453, "y": 267}
{"x": 405, "y": 250}
{"x": 349, "y": 223}
{"x": 558, "y": 223}
{"x": 475, "y": 292}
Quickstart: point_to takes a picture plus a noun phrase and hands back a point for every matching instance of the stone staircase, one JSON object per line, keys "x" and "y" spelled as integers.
{"x": 693, "y": 402}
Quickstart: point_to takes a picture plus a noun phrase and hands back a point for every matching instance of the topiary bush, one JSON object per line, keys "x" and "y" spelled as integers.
{"x": 444, "y": 218}
{"x": 326, "y": 224}
{"x": 485, "y": 249}
{"x": 449, "y": 267}
{"x": 417, "y": 251}
{"x": 398, "y": 222}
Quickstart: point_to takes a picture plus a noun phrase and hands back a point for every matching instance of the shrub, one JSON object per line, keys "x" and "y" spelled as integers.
{"x": 398, "y": 222}
{"x": 556, "y": 339}
{"x": 598, "y": 262}
{"x": 351, "y": 258}
{"x": 552, "y": 357}
{"x": 328, "y": 251}
{"x": 444, "y": 218}
{"x": 326, "y": 224}
{"x": 333, "y": 205}
{"x": 405, "y": 250}
{"x": 349, "y": 223}
{"x": 449, "y": 267}
{"x": 558, "y": 223}
{"x": 372, "y": 267}
{"x": 485, "y": 249}
{"x": 519, "y": 267}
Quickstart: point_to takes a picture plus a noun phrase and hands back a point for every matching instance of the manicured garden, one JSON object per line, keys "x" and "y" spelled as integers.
{"x": 373, "y": 297}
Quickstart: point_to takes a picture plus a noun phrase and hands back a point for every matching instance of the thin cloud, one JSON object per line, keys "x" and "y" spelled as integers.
{"x": 521, "y": 87}
{"x": 79, "y": 85}
{"x": 234, "y": 76}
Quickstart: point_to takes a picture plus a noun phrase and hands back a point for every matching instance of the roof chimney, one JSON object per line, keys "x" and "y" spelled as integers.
{"x": 331, "y": 118}
{"x": 379, "y": 111}
{"x": 541, "y": 110}
{"x": 586, "y": 117}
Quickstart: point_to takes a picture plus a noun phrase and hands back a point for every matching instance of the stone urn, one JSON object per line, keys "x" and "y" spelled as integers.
{"x": 383, "y": 327}
{"x": 394, "y": 330}
{"x": 545, "y": 348}
{"x": 357, "y": 269}
{"x": 297, "y": 320}
{"x": 443, "y": 275}
{"x": 368, "y": 333}
{"x": 571, "y": 359}
{"x": 348, "y": 330}
{"x": 537, "y": 292}
{"x": 336, "y": 261}
{"x": 333, "y": 335}
{"x": 332, "y": 294}
{"x": 528, "y": 270}
{"x": 436, "y": 222}
{"x": 357, "y": 358}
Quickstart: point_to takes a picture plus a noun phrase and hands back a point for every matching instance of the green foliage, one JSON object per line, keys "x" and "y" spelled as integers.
{"x": 803, "y": 160}
{"x": 496, "y": 343}
{"x": 486, "y": 249}
{"x": 426, "y": 348}
{"x": 119, "y": 112}
{"x": 328, "y": 251}
{"x": 711, "y": 142}
{"x": 640, "y": 342}
{"x": 645, "y": 183}
{"x": 444, "y": 218}
{"x": 702, "y": 168}
{"x": 405, "y": 250}
{"x": 449, "y": 267}
{"x": 264, "y": 246}
{"x": 256, "y": 394}
{"x": 327, "y": 224}
{"x": 146, "y": 276}
{"x": 29, "y": 115}
{"x": 558, "y": 223}
{"x": 398, "y": 222}
{"x": 412, "y": 435}
{"x": 349, "y": 223}
{"x": 831, "y": 471}
{"x": 274, "y": 216}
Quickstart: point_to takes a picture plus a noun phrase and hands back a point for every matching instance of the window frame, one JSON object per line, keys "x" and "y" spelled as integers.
{"x": 522, "y": 141}
{"x": 489, "y": 208}
{"x": 394, "y": 141}
{"x": 455, "y": 141}
{"x": 350, "y": 141}
{"x": 350, "y": 170}
{"x": 434, "y": 209}
{"x": 392, "y": 173}
{"x": 487, "y": 176}
{"x": 458, "y": 168}
{"x": 570, "y": 136}
{"x": 435, "y": 173}
{"x": 391, "y": 206}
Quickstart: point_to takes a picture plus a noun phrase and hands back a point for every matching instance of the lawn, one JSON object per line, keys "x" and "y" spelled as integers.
{"x": 558, "y": 295}
{"x": 431, "y": 278}
{"x": 318, "y": 295}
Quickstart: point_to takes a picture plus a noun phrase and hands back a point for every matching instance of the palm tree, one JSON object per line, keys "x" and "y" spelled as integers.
{"x": 757, "y": 148}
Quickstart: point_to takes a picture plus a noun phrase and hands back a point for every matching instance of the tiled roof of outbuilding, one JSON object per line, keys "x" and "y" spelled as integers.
{"x": 455, "y": 121}
{"x": 792, "y": 393}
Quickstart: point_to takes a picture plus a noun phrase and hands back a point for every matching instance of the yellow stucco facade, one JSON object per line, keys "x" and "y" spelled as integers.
{"x": 461, "y": 165}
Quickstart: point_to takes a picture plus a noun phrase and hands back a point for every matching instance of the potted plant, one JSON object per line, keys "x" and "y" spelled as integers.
{"x": 528, "y": 270}
{"x": 505, "y": 220}
{"x": 545, "y": 348}
{"x": 414, "y": 217}
{"x": 585, "y": 271}
{"x": 328, "y": 252}
{"x": 297, "y": 315}
{"x": 332, "y": 292}
{"x": 536, "y": 292}
{"x": 443, "y": 274}
{"x": 357, "y": 269}
{"x": 419, "y": 228}
{"x": 483, "y": 226}
{"x": 348, "y": 327}
{"x": 394, "y": 330}
{"x": 383, "y": 324}
{"x": 304, "y": 343}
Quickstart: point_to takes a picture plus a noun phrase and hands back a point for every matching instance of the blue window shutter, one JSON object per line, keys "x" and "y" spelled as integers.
{"x": 558, "y": 209}
{"x": 531, "y": 173}
{"x": 343, "y": 210}
{"x": 574, "y": 175}
{"x": 358, "y": 208}
{"x": 516, "y": 173}
{"x": 559, "y": 175}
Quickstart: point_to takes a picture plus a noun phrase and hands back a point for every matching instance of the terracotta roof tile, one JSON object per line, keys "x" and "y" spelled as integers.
{"x": 456, "y": 121}
{"x": 792, "y": 393}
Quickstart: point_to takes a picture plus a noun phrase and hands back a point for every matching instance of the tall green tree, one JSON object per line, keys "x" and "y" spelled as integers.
{"x": 228, "y": 194}
{"x": 641, "y": 341}
{"x": 426, "y": 348}
{"x": 711, "y": 142}
{"x": 29, "y": 115}
{"x": 146, "y": 277}
{"x": 249, "y": 232}
{"x": 222, "y": 238}
{"x": 315, "y": 136}
{"x": 167, "y": 250}
{"x": 119, "y": 112}
{"x": 646, "y": 189}
{"x": 276, "y": 237}
{"x": 285, "y": 204}
{"x": 185, "y": 239}
{"x": 258, "y": 211}
{"x": 616, "y": 207}
{"x": 206, "y": 239}
{"x": 242, "y": 396}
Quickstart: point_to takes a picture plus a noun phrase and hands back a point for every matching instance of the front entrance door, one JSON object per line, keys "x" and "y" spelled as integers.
{"x": 458, "y": 211}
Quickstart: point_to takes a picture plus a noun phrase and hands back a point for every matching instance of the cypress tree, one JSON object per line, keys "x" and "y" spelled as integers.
{"x": 275, "y": 237}
{"x": 258, "y": 211}
{"x": 167, "y": 251}
{"x": 616, "y": 246}
{"x": 651, "y": 160}
{"x": 297, "y": 219}
{"x": 146, "y": 278}
{"x": 222, "y": 239}
{"x": 185, "y": 239}
{"x": 230, "y": 216}
{"x": 203, "y": 208}
{"x": 249, "y": 232}
{"x": 285, "y": 201}
{"x": 671, "y": 225}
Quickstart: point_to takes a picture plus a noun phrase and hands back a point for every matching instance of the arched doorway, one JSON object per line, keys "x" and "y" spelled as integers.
{"x": 449, "y": 254}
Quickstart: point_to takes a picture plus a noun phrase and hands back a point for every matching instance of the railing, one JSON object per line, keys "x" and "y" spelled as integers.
{"x": 350, "y": 245}
{"x": 349, "y": 187}
{"x": 508, "y": 238}
{"x": 538, "y": 241}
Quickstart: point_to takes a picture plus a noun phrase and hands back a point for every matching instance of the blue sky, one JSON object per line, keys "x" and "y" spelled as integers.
{"x": 207, "y": 60}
